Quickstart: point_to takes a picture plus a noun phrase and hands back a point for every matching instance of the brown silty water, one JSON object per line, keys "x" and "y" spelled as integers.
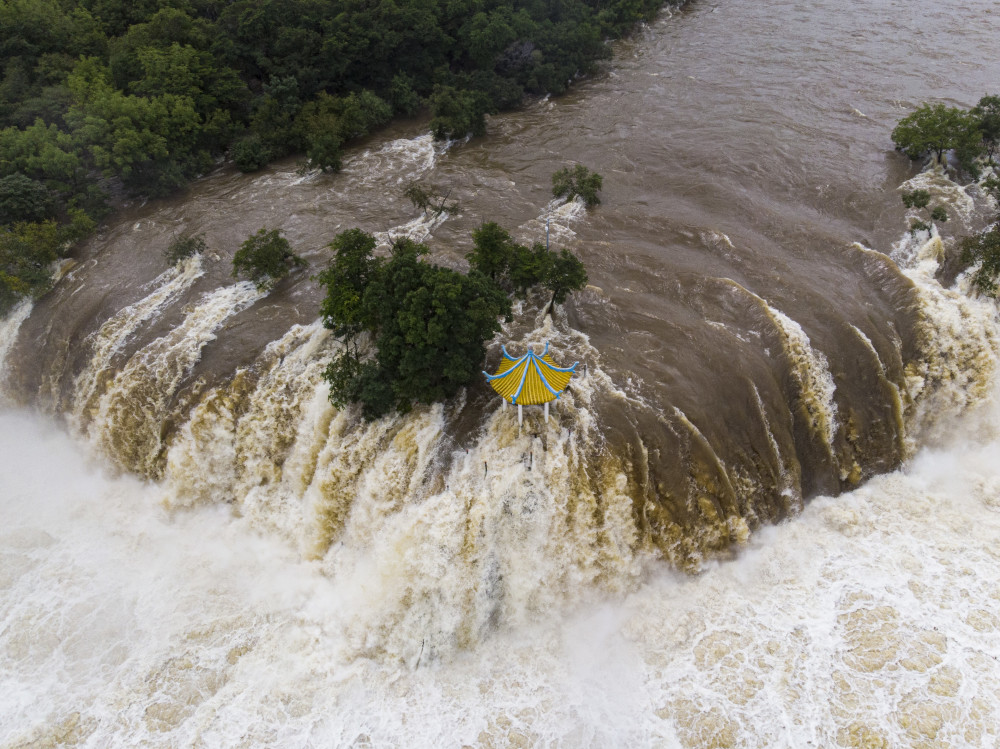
{"x": 748, "y": 340}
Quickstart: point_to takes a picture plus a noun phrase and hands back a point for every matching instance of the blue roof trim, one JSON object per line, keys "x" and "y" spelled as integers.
{"x": 562, "y": 369}
{"x": 514, "y": 366}
{"x": 545, "y": 382}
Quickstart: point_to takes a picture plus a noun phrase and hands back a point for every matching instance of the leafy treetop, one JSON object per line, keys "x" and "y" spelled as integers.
{"x": 429, "y": 325}
{"x": 265, "y": 258}
{"x": 579, "y": 180}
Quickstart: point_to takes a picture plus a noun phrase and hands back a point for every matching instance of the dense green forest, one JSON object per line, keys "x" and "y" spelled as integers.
{"x": 103, "y": 99}
{"x": 428, "y": 325}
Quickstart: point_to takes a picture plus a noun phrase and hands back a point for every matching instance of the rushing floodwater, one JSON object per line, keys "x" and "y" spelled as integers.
{"x": 759, "y": 331}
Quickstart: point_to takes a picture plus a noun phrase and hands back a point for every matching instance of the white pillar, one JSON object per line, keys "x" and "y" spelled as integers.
{"x": 504, "y": 403}
{"x": 546, "y": 412}
{"x": 520, "y": 414}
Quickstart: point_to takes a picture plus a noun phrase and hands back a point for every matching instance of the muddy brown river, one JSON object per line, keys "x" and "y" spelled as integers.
{"x": 763, "y": 341}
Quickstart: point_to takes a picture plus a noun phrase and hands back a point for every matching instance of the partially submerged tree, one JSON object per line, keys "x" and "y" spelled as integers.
{"x": 578, "y": 180}
{"x": 265, "y": 258}
{"x": 936, "y": 129}
{"x": 28, "y": 251}
{"x": 517, "y": 268}
{"x": 458, "y": 112}
{"x": 430, "y": 198}
{"x": 565, "y": 274}
{"x": 429, "y": 325}
{"x": 984, "y": 249}
{"x": 184, "y": 247}
{"x": 988, "y": 113}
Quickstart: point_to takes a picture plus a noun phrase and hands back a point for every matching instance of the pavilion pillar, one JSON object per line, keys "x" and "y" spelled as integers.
{"x": 546, "y": 412}
{"x": 520, "y": 414}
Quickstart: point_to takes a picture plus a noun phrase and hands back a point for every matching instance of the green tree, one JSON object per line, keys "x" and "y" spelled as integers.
{"x": 265, "y": 258}
{"x": 988, "y": 113}
{"x": 458, "y": 112}
{"x": 346, "y": 279}
{"x": 250, "y": 154}
{"x": 565, "y": 275}
{"x": 27, "y": 251}
{"x": 184, "y": 247}
{"x": 529, "y": 267}
{"x": 23, "y": 199}
{"x": 517, "y": 268}
{"x": 434, "y": 340}
{"x": 494, "y": 252}
{"x": 935, "y": 128}
{"x": 984, "y": 249}
{"x": 429, "y": 324}
{"x": 578, "y": 180}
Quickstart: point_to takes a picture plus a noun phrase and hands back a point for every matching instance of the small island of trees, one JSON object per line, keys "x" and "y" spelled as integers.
{"x": 428, "y": 325}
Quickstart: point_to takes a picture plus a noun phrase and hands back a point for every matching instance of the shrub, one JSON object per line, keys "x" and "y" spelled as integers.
{"x": 265, "y": 258}
{"x": 250, "y": 154}
{"x": 184, "y": 247}
{"x": 983, "y": 248}
{"x": 579, "y": 180}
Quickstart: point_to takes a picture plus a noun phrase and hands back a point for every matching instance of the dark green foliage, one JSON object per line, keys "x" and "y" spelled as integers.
{"x": 27, "y": 251}
{"x": 988, "y": 113}
{"x": 23, "y": 199}
{"x": 324, "y": 124}
{"x": 578, "y": 180}
{"x": 916, "y": 198}
{"x": 512, "y": 266}
{"x": 938, "y": 213}
{"x": 346, "y": 280}
{"x": 458, "y": 112}
{"x": 184, "y": 247}
{"x": 935, "y": 128}
{"x": 529, "y": 267}
{"x": 516, "y": 268}
{"x": 983, "y": 248}
{"x": 265, "y": 258}
{"x": 494, "y": 252}
{"x": 429, "y": 325}
{"x": 147, "y": 93}
{"x": 404, "y": 99}
{"x": 565, "y": 275}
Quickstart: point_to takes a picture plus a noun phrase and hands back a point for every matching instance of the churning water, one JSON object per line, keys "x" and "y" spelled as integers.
{"x": 198, "y": 550}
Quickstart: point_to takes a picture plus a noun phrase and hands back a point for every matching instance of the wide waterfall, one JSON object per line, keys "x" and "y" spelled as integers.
{"x": 763, "y": 514}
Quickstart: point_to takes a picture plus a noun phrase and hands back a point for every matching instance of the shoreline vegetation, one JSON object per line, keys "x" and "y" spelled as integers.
{"x": 972, "y": 137}
{"x": 134, "y": 98}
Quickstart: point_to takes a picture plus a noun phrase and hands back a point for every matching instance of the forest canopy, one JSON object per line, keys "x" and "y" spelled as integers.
{"x": 136, "y": 97}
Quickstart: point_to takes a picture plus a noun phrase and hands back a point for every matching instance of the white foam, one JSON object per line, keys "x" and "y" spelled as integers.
{"x": 126, "y": 423}
{"x": 112, "y": 336}
{"x": 871, "y": 617}
{"x": 9, "y": 327}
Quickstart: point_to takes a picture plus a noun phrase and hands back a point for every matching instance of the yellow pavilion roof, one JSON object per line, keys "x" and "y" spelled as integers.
{"x": 530, "y": 380}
